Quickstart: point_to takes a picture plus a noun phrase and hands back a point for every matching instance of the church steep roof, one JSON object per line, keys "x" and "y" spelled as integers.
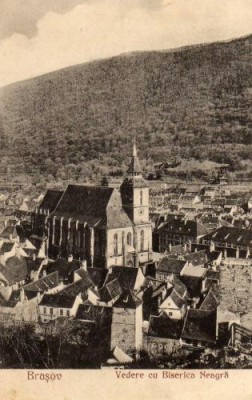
{"x": 85, "y": 203}
{"x": 95, "y": 205}
{"x": 50, "y": 200}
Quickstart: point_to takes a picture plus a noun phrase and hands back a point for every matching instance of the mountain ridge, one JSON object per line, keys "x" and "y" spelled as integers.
{"x": 193, "y": 102}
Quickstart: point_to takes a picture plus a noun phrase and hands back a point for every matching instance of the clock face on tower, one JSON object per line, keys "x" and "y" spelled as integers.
{"x": 140, "y": 212}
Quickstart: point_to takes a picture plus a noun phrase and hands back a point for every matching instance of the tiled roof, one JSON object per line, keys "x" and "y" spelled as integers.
{"x": 193, "y": 285}
{"x": 232, "y": 235}
{"x": 200, "y": 325}
{"x": 184, "y": 227}
{"x": 126, "y": 276}
{"x": 210, "y": 302}
{"x": 128, "y": 300}
{"x": 57, "y": 301}
{"x": 170, "y": 266}
{"x": 41, "y": 285}
{"x": 92, "y": 313}
{"x": 6, "y": 247}
{"x": 51, "y": 200}
{"x": 196, "y": 258}
{"x": 97, "y": 275}
{"x": 64, "y": 267}
{"x": 15, "y": 270}
{"x": 7, "y": 231}
{"x": 194, "y": 271}
{"x": 110, "y": 291}
{"x": 164, "y": 327}
{"x": 13, "y": 299}
{"x": 175, "y": 297}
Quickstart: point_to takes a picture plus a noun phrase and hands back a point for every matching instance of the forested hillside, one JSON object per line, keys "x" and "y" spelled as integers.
{"x": 78, "y": 122}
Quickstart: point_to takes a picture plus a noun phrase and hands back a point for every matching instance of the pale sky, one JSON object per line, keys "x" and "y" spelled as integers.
{"x": 39, "y": 36}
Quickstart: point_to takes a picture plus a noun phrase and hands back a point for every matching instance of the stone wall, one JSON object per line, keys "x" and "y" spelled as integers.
{"x": 235, "y": 289}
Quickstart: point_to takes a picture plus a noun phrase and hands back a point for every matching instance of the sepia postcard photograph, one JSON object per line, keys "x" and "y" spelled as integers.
{"x": 125, "y": 199}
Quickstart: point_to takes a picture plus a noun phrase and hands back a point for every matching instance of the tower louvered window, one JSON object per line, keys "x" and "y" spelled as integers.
{"x": 115, "y": 244}
{"x": 142, "y": 240}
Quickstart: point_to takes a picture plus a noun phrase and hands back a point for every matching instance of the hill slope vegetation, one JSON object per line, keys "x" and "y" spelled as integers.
{"x": 193, "y": 102}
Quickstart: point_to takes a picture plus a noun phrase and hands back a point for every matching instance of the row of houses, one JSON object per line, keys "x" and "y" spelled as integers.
{"x": 230, "y": 240}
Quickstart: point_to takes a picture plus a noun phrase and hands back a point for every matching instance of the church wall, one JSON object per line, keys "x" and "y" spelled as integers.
{"x": 100, "y": 243}
{"x": 143, "y": 255}
{"x": 118, "y": 258}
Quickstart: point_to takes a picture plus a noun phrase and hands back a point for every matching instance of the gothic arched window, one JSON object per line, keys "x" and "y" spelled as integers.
{"x": 142, "y": 240}
{"x": 115, "y": 244}
{"x": 129, "y": 239}
{"x": 123, "y": 241}
{"x": 141, "y": 198}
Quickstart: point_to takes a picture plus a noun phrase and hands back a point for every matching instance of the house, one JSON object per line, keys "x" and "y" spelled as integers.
{"x": 10, "y": 232}
{"x": 231, "y": 206}
{"x": 16, "y": 306}
{"x": 175, "y": 302}
{"x": 13, "y": 274}
{"x": 127, "y": 277}
{"x": 200, "y": 328}
{"x": 168, "y": 267}
{"x": 179, "y": 231}
{"x": 231, "y": 241}
{"x": 54, "y": 306}
{"x": 47, "y": 284}
{"x": 204, "y": 258}
{"x": 64, "y": 267}
{"x": 64, "y": 303}
{"x": 210, "y": 191}
{"x": 162, "y": 326}
{"x": 194, "y": 277}
{"x": 109, "y": 293}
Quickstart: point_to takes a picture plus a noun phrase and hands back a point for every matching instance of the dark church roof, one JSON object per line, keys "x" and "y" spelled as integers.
{"x": 51, "y": 200}
{"x": 90, "y": 204}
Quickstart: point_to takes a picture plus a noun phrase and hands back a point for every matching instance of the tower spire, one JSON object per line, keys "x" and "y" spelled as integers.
{"x": 134, "y": 167}
{"x": 134, "y": 148}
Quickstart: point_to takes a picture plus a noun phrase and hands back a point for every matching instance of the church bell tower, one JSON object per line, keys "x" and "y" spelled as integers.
{"x": 135, "y": 201}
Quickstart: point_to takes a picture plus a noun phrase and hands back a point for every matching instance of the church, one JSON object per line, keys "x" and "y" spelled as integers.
{"x": 103, "y": 226}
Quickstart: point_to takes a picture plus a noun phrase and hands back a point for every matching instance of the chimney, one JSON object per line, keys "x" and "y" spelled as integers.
{"x": 212, "y": 246}
{"x": 70, "y": 258}
{"x": 84, "y": 265}
{"x": 22, "y": 295}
